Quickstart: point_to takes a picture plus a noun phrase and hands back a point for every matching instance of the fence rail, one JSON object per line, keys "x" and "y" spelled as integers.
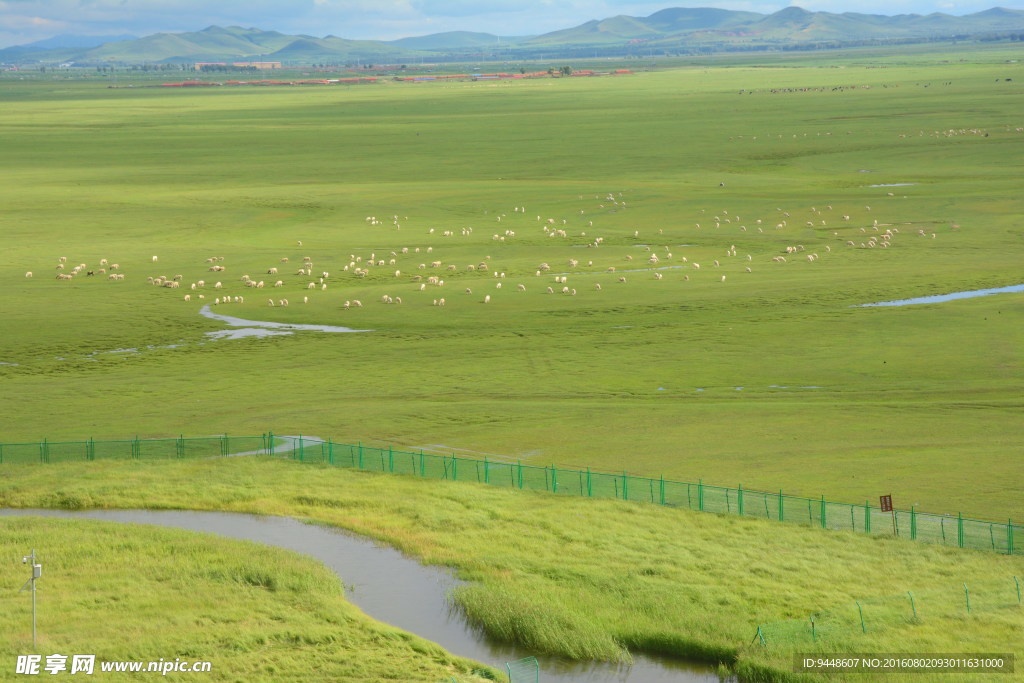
{"x": 947, "y": 530}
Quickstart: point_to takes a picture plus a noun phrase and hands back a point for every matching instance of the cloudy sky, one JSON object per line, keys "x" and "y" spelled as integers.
{"x": 24, "y": 21}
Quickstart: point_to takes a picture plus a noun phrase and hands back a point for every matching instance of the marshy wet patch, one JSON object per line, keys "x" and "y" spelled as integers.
{"x": 252, "y": 325}
{"x": 940, "y": 298}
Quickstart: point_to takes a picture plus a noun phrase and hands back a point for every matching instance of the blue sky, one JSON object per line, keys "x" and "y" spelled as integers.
{"x": 24, "y": 21}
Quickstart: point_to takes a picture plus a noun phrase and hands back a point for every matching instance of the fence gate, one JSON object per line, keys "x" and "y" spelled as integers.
{"x": 523, "y": 670}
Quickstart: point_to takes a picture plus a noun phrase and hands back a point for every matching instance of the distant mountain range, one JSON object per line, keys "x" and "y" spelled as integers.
{"x": 676, "y": 30}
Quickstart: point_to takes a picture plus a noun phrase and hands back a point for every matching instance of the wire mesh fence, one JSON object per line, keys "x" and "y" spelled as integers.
{"x": 933, "y": 528}
{"x": 947, "y": 530}
{"x": 846, "y": 623}
{"x": 132, "y": 449}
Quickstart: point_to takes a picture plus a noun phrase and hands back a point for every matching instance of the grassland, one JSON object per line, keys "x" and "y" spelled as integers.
{"x": 581, "y": 578}
{"x": 912, "y": 400}
{"x": 770, "y": 378}
{"x": 254, "y": 613}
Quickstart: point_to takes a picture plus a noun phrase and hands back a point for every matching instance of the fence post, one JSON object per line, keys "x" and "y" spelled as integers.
{"x": 360, "y": 455}
{"x": 1009, "y": 537}
{"x": 590, "y": 485}
{"x": 554, "y": 479}
{"x": 700, "y": 495}
{"x": 302, "y": 449}
{"x": 662, "y": 491}
{"x": 860, "y": 609}
{"x": 1018, "y": 588}
{"x": 912, "y": 605}
{"x": 739, "y": 499}
{"x": 814, "y": 635}
{"x": 867, "y": 516}
{"x": 913, "y": 522}
{"x": 967, "y": 597}
{"x": 42, "y": 450}
{"x": 270, "y": 440}
{"x": 625, "y": 486}
{"x": 960, "y": 529}
{"x": 92, "y": 449}
{"x": 520, "y": 462}
{"x": 391, "y": 460}
{"x": 487, "y": 471}
{"x": 782, "y": 517}
{"x": 455, "y": 468}
{"x": 823, "y": 524}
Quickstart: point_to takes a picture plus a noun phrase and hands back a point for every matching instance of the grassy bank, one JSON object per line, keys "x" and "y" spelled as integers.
{"x": 595, "y": 578}
{"x": 253, "y": 612}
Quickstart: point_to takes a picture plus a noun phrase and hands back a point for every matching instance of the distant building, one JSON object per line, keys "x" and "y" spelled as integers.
{"x": 199, "y": 66}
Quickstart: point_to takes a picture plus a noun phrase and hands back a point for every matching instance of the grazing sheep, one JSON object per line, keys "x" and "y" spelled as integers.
{"x": 597, "y": 286}
{"x": 521, "y": 288}
{"x": 487, "y": 299}
{"x": 622, "y": 278}
{"x": 154, "y": 259}
{"x": 28, "y": 274}
{"x": 188, "y": 297}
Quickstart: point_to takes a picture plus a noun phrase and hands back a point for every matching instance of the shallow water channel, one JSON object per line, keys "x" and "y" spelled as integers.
{"x": 395, "y": 589}
{"x": 952, "y": 296}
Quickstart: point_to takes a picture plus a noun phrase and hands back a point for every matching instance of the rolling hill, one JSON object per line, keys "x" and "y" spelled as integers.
{"x": 674, "y": 30}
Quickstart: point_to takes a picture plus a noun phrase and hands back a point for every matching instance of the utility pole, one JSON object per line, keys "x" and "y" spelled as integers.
{"x": 37, "y": 571}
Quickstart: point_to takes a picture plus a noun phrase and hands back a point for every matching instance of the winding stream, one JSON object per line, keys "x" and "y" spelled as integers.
{"x": 939, "y": 298}
{"x": 259, "y": 328}
{"x": 395, "y": 589}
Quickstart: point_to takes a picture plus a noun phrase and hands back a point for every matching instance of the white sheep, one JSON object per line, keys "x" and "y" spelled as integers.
{"x": 487, "y": 299}
{"x": 28, "y": 274}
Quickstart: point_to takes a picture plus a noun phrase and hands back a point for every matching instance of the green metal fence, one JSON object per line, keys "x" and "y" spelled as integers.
{"x": 933, "y": 528}
{"x": 947, "y": 530}
{"x": 845, "y": 623}
{"x": 133, "y": 449}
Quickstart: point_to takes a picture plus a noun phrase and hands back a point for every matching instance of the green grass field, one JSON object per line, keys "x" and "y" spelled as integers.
{"x": 771, "y": 378}
{"x": 588, "y": 579}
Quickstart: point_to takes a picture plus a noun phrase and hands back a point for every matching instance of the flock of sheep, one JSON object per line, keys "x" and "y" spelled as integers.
{"x": 421, "y": 279}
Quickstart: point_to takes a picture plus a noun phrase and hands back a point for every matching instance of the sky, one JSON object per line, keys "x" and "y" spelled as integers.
{"x": 25, "y": 21}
